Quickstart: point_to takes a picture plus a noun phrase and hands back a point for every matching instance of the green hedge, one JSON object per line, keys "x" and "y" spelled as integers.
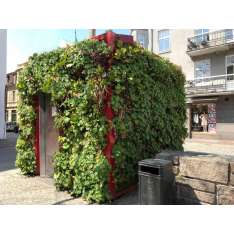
{"x": 148, "y": 100}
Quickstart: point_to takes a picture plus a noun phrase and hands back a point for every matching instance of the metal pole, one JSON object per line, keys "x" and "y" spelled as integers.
{"x": 75, "y": 37}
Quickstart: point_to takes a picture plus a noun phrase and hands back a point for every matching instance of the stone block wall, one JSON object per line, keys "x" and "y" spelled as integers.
{"x": 202, "y": 178}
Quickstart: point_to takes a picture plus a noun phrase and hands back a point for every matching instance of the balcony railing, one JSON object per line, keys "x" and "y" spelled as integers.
{"x": 211, "y": 84}
{"x": 212, "y": 39}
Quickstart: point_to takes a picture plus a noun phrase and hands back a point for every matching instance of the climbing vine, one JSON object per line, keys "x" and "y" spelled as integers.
{"x": 148, "y": 100}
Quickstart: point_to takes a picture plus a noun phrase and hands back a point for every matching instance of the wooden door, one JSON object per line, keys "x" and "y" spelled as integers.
{"x": 48, "y": 136}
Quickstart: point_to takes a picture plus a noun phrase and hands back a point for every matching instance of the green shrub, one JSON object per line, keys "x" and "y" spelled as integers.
{"x": 148, "y": 100}
{"x": 25, "y": 157}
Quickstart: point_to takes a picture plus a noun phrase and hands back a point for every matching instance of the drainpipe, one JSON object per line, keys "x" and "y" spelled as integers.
{"x": 151, "y": 36}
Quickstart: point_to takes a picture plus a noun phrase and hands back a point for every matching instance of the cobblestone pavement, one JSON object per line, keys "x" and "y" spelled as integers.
{"x": 18, "y": 189}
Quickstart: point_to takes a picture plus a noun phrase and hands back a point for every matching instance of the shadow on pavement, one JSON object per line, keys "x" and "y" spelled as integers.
{"x": 8, "y": 152}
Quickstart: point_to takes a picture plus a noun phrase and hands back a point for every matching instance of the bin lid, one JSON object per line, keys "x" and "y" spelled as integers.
{"x": 153, "y": 162}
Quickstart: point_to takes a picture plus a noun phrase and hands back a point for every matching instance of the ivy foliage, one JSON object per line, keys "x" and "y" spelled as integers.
{"x": 148, "y": 100}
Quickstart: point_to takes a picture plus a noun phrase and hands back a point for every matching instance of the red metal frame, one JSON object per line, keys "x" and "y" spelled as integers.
{"x": 37, "y": 135}
{"x": 110, "y": 38}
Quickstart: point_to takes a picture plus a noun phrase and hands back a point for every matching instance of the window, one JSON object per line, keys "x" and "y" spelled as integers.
{"x": 142, "y": 39}
{"x": 202, "y": 68}
{"x": 13, "y": 116}
{"x": 230, "y": 60}
{"x": 201, "y": 31}
{"x": 201, "y": 34}
{"x": 164, "y": 41}
{"x": 230, "y": 67}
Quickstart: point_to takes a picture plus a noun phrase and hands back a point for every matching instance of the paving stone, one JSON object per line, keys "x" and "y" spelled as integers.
{"x": 186, "y": 192}
{"x": 16, "y": 189}
{"x": 196, "y": 184}
{"x": 210, "y": 168}
{"x": 225, "y": 195}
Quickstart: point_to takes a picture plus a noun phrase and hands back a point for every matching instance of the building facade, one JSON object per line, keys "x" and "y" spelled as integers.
{"x": 207, "y": 60}
{"x": 11, "y": 97}
{"x": 3, "y": 51}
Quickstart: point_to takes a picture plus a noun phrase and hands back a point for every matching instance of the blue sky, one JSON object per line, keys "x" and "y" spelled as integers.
{"x": 23, "y": 43}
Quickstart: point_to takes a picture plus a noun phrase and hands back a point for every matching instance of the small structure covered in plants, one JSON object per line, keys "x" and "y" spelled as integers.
{"x": 116, "y": 104}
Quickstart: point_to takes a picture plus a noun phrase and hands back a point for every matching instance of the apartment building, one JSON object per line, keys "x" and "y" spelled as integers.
{"x": 11, "y": 97}
{"x": 3, "y": 46}
{"x": 207, "y": 60}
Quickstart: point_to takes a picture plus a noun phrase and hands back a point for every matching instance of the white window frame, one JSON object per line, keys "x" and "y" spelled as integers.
{"x": 195, "y": 67}
{"x": 161, "y": 38}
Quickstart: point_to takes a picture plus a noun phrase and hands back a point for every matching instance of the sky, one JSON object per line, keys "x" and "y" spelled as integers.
{"x": 23, "y": 43}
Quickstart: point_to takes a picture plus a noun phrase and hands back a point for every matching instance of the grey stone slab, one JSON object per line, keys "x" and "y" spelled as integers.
{"x": 232, "y": 173}
{"x": 197, "y": 184}
{"x": 210, "y": 168}
{"x": 186, "y": 192}
{"x": 225, "y": 195}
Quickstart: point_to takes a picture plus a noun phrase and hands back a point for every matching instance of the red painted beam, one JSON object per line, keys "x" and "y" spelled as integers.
{"x": 110, "y": 38}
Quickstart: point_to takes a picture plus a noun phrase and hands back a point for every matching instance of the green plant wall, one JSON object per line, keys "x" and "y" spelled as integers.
{"x": 148, "y": 100}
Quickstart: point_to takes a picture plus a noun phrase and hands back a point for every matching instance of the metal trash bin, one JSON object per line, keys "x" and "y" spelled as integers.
{"x": 156, "y": 182}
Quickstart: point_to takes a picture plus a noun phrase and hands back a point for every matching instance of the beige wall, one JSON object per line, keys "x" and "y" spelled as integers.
{"x": 178, "y": 48}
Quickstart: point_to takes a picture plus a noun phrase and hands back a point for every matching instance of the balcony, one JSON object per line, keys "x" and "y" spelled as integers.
{"x": 207, "y": 43}
{"x": 210, "y": 85}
